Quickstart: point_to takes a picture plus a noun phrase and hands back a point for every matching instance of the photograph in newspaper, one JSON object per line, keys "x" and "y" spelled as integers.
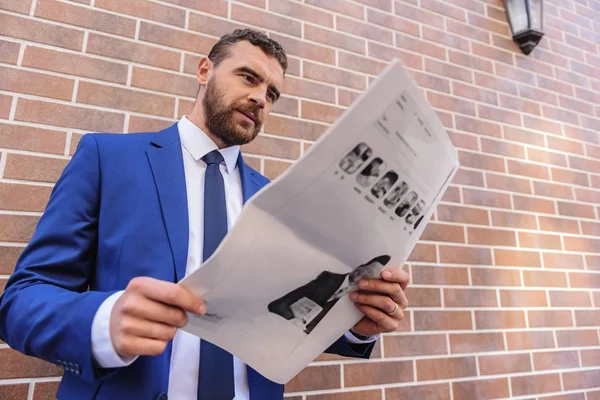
{"x": 277, "y": 287}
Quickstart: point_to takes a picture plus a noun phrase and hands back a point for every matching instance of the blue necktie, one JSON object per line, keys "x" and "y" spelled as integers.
{"x": 215, "y": 378}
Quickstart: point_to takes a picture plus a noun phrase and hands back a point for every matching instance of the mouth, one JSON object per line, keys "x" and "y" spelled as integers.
{"x": 248, "y": 115}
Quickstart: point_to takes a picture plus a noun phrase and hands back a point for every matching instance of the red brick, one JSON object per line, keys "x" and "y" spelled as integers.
{"x": 414, "y": 345}
{"x": 592, "y": 262}
{"x": 527, "y": 385}
{"x": 587, "y": 317}
{"x": 378, "y": 18}
{"x": 23, "y": 6}
{"x": 146, "y": 10}
{"x": 575, "y": 210}
{"x": 470, "y": 298}
{"x": 17, "y": 197}
{"x": 33, "y": 168}
{"x": 124, "y": 50}
{"x": 534, "y": 204}
{"x": 448, "y": 70}
{"x": 523, "y": 136}
{"x": 8, "y": 259}
{"x": 584, "y": 164}
{"x": 125, "y": 99}
{"x": 517, "y": 258}
{"x": 346, "y": 97}
{"x": 311, "y": 90}
{"x": 142, "y": 124}
{"x": 423, "y": 297}
{"x": 13, "y": 391}
{"x": 480, "y": 161}
{"x": 539, "y": 240}
{"x": 582, "y": 134}
{"x": 305, "y": 50}
{"x": 452, "y": 104}
{"x": 551, "y": 224}
{"x": 303, "y": 12}
{"x": 570, "y": 177}
{"x": 274, "y": 147}
{"x": 541, "y": 125}
{"x": 26, "y": 138}
{"x": 333, "y": 76}
{"x": 535, "y": 94}
{"x": 520, "y": 105}
{"x": 590, "y": 228}
{"x": 508, "y": 183}
{"x": 45, "y": 390}
{"x": 527, "y": 340}
{"x": 445, "y": 39}
{"x": 504, "y": 364}
{"x": 500, "y": 319}
{"x": 420, "y": 46}
{"x": 452, "y": 195}
{"x": 577, "y": 338}
{"x": 442, "y": 320}
{"x": 513, "y": 220}
{"x": 315, "y": 378}
{"x": 481, "y": 389}
{"x": 446, "y": 368}
{"x": 387, "y": 53}
{"x": 377, "y": 373}
{"x": 28, "y": 82}
{"x": 350, "y": 9}
{"x": 487, "y": 199}
{"x": 528, "y": 169}
{"x": 355, "y": 395}
{"x": 552, "y": 190}
{"x": 428, "y": 81}
{"x": 9, "y": 51}
{"x": 175, "y": 38}
{"x": 85, "y": 17}
{"x": 14, "y": 365}
{"x": 581, "y": 380}
{"x": 523, "y": 298}
{"x": 569, "y": 298}
{"x": 469, "y": 61}
{"x": 478, "y": 126}
{"x": 590, "y": 358}
{"x": 461, "y": 140}
{"x": 423, "y": 253}
{"x": 5, "y": 106}
{"x": 464, "y": 255}
{"x": 549, "y": 318}
{"x": 474, "y": 93}
{"x": 438, "y": 275}
{"x": 293, "y": 128}
{"x": 584, "y": 280}
{"x": 462, "y": 214}
{"x": 40, "y": 32}
{"x": 495, "y": 277}
{"x": 431, "y": 392}
{"x": 491, "y": 237}
{"x": 443, "y": 233}
{"x": 164, "y": 82}
{"x": 476, "y": 342}
{"x": 468, "y": 177}
{"x": 497, "y": 114}
{"x": 444, "y": 9}
{"x": 266, "y": 20}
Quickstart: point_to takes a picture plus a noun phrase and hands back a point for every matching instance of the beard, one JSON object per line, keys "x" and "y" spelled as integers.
{"x": 221, "y": 121}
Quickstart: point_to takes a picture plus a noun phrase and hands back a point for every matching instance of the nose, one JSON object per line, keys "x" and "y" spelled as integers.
{"x": 259, "y": 97}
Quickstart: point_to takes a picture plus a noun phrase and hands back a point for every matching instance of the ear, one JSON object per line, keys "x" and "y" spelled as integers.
{"x": 205, "y": 68}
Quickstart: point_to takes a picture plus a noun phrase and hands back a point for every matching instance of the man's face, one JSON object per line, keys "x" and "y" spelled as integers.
{"x": 240, "y": 93}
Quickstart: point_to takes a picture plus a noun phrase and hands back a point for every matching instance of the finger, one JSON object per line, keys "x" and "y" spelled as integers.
{"x": 135, "y": 346}
{"x": 396, "y": 275}
{"x": 169, "y": 293}
{"x": 141, "y": 328}
{"x": 391, "y": 289}
{"x": 384, "y": 321}
{"x": 152, "y": 310}
{"x": 384, "y": 303}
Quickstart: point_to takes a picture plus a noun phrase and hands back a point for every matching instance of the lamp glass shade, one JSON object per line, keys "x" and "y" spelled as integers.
{"x": 518, "y": 16}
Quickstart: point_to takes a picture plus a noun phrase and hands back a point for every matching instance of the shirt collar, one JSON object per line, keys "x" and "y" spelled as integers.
{"x": 198, "y": 144}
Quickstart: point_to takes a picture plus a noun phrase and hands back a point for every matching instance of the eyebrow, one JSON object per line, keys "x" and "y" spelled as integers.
{"x": 257, "y": 76}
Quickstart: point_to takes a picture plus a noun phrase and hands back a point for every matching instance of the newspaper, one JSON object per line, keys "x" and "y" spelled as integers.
{"x": 277, "y": 287}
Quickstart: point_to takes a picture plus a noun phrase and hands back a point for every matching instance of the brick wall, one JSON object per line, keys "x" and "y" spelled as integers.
{"x": 505, "y": 291}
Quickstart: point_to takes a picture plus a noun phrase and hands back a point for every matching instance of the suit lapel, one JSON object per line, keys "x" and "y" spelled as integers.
{"x": 166, "y": 162}
{"x": 250, "y": 182}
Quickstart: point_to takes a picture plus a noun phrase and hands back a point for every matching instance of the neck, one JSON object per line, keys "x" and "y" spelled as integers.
{"x": 197, "y": 118}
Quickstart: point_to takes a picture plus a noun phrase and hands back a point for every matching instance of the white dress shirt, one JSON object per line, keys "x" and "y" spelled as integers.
{"x": 185, "y": 356}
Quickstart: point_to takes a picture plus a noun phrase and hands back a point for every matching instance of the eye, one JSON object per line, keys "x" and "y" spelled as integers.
{"x": 272, "y": 97}
{"x": 248, "y": 78}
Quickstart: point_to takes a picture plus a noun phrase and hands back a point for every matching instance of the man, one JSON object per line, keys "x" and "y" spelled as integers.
{"x": 95, "y": 290}
{"x": 310, "y": 303}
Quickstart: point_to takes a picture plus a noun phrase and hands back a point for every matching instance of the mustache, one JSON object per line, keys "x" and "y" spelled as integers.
{"x": 249, "y": 108}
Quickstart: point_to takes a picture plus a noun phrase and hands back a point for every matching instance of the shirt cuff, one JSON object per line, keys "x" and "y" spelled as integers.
{"x": 103, "y": 350}
{"x": 354, "y": 340}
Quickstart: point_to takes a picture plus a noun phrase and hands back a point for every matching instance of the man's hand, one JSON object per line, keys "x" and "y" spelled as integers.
{"x": 148, "y": 314}
{"x": 382, "y": 301}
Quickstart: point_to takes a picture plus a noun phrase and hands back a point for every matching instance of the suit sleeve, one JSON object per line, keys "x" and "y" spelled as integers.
{"x": 46, "y": 309}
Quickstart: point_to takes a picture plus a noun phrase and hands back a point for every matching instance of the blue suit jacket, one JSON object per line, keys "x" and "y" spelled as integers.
{"x": 118, "y": 211}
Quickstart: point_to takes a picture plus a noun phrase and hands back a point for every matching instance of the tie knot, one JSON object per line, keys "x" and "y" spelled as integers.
{"x": 214, "y": 157}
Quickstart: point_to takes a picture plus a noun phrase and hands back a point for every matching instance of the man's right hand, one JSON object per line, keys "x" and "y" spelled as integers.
{"x": 148, "y": 314}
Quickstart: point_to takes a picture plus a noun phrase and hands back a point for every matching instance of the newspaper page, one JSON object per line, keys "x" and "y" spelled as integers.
{"x": 277, "y": 287}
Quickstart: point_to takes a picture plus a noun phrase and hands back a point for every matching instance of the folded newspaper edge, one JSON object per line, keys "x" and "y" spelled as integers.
{"x": 277, "y": 287}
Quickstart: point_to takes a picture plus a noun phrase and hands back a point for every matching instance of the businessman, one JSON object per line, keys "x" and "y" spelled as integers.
{"x": 309, "y": 304}
{"x": 95, "y": 290}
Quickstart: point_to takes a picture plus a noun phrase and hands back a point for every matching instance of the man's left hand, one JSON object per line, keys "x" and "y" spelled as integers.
{"x": 382, "y": 301}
